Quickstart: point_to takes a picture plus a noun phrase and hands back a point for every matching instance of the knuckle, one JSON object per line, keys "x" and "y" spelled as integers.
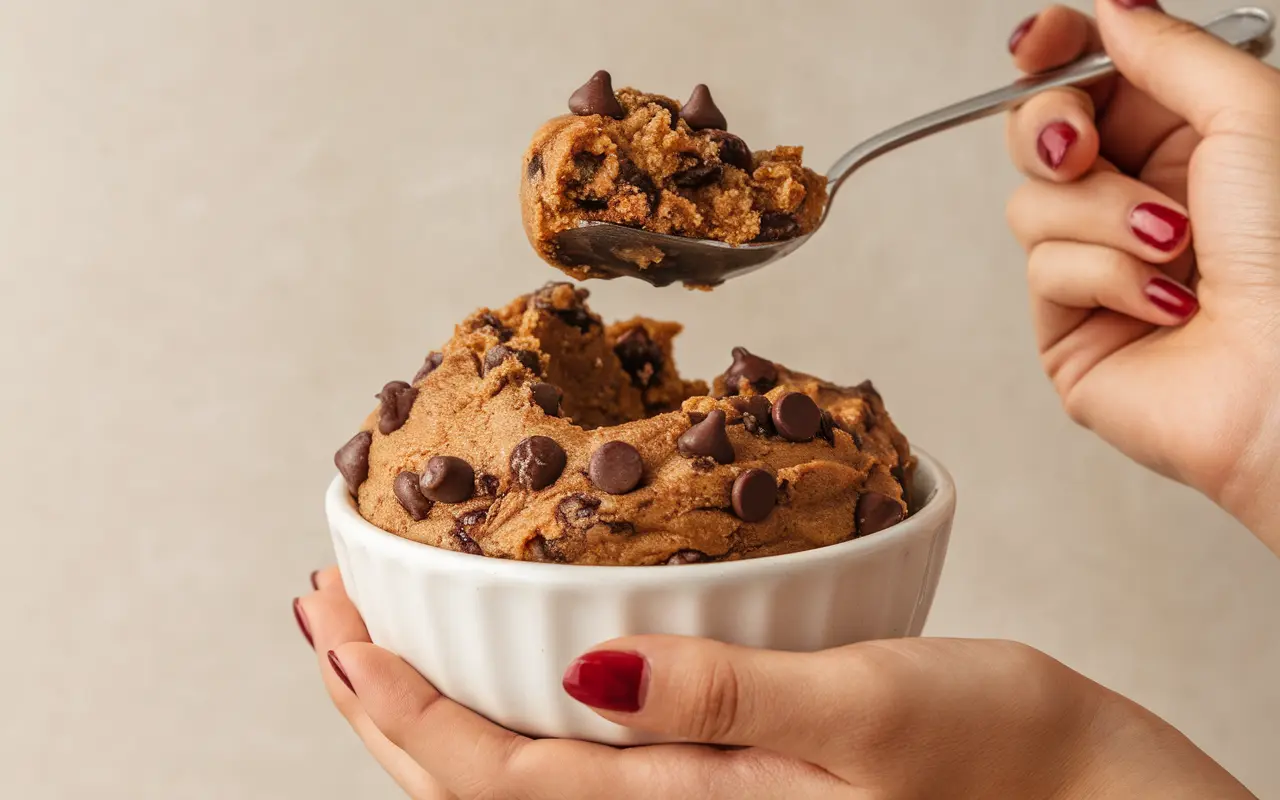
{"x": 885, "y": 678}
{"x": 714, "y": 712}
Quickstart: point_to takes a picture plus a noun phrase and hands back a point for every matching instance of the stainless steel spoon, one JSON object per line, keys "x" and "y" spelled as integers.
{"x": 617, "y": 250}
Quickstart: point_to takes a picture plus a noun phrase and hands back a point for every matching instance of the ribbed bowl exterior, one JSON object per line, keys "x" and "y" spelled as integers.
{"x": 497, "y": 635}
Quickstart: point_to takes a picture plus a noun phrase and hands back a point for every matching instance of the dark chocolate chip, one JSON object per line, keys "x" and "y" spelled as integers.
{"x": 546, "y": 397}
{"x": 776, "y": 226}
{"x": 462, "y": 531}
{"x": 828, "y": 428}
{"x": 688, "y": 557}
{"x": 488, "y": 484}
{"x": 499, "y": 353}
{"x": 433, "y": 362}
{"x": 596, "y": 97}
{"x": 577, "y": 512}
{"x": 875, "y": 512}
{"x": 700, "y": 110}
{"x": 760, "y": 373}
{"x": 488, "y": 320}
{"x": 708, "y": 438}
{"x": 757, "y": 414}
{"x": 405, "y": 488}
{"x": 755, "y": 493}
{"x": 448, "y": 479}
{"x": 640, "y": 356}
{"x": 630, "y": 174}
{"x": 672, "y": 107}
{"x": 536, "y": 462}
{"x": 576, "y": 315}
{"x": 616, "y": 467}
{"x": 592, "y": 204}
{"x": 796, "y": 417}
{"x": 695, "y": 177}
{"x": 695, "y": 417}
{"x": 535, "y": 167}
{"x": 352, "y": 460}
{"x": 585, "y": 166}
{"x": 733, "y": 151}
{"x": 396, "y": 402}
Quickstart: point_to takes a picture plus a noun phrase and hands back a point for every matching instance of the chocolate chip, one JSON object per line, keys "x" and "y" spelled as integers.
{"x": 488, "y": 484}
{"x": 596, "y": 97}
{"x": 640, "y": 356}
{"x": 577, "y": 512}
{"x": 757, "y": 414}
{"x": 695, "y": 177}
{"x": 575, "y": 315}
{"x": 875, "y": 512}
{"x": 592, "y": 204}
{"x": 546, "y": 397}
{"x": 462, "y": 531}
{"x": 796, "y": 417}
{"x": 537, "y": 549}
{"x": 488, "y": 320}
{"x": 616, "y": 467}
{"x": 671, "y": 106}
{"x": 536, "y": 462}
{"x": 760, "y": 373}
{"x": 688, "y": 557}
{"x": 707, "y": 438}
{"x": 352, "y": 460}
{"x": 499, "y": 353}
{"x": 733, "y": 150}
{"x": 535, "y": 167}
{"x": 776, "y": 226}
{"x": 755, "y": 493}
{"x": 631, "y": 175}
{"x": 405, "y": 488}
{"x": 695, "y": 417}
{"x": 828, "y": 427}
{"x": 433, "y": 362}
{"x": 397, "y": 401}
{"x": 448, "y": 479}
{"x": 700, "y": 110}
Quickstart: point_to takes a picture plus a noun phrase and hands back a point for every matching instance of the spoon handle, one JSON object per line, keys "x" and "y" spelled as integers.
{"x": 1246, "y": 28}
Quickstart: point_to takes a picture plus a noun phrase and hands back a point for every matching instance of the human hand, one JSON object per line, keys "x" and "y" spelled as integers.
{"x": 1185, "y": 386}
{"x": 902, "y": 719}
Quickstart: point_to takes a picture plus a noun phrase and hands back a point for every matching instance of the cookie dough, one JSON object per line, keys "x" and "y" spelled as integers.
{"x": 538, "y": 433}
{"x": 645, "y": 161}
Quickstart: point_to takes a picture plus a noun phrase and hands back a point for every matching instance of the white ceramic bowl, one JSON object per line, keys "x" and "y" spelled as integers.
{"x": 497, "y": 635}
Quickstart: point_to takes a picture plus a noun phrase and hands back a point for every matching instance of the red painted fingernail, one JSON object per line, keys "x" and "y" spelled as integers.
{"x": 1161, "y": 227}
{"x": 302, "y": 622}
{"x": 608, "y": 679}
{"x": 1172, "y": 297}
{"x": 339, "y": 671}
{"x": 1020, "y": 32}
{"x": 1139, "y": 4}
{"x": 1055, "y": 142}
{"x": 315, "y": 585}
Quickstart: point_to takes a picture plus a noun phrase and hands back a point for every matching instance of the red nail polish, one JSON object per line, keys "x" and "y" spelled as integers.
{"x": 1020, "y": 32}
{"x": 1162, "y": 228}
{"x": 339, "y": 671}
{"x": 315, "y": 585}
{"x": 1172, "y": 297}
{"x": 607, "y": 679}
{"x": 1055, "y": 142}
{"x": 302, "y": 621}
{"x": 1139, "y": 4}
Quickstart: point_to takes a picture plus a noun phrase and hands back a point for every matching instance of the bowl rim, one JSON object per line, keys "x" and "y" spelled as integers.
{"x": 938, "y": 509}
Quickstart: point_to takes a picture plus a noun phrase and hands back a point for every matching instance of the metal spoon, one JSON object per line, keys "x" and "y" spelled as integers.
{"x": 616, "y": 249}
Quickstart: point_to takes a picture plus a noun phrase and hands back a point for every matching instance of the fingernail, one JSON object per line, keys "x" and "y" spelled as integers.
{"x": 1172, "y": 297}
{"x": 339, "y": 671}
{"x": 302, "y": 622}
{"x": 1161, "y": 227}
{"x": 315, "y": 585}
{"x": 1020, "y": 32}
{"x": 607, "y": 679}
{"x": 1055, "y": 142}
{"x": 1139, "y": 4}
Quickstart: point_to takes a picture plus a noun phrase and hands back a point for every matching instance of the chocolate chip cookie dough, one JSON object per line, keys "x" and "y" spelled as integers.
{"x": 646, "y": 161}
{"x": 538, "y": 433}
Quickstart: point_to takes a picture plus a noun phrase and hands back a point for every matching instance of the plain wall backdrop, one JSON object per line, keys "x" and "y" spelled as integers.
{"x": 225, "y": 224}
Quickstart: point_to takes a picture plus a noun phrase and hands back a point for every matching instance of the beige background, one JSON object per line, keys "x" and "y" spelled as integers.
{"x": 224, "y": 225}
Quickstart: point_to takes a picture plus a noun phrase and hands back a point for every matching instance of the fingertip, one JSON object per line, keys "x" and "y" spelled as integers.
{"x": 323, "y": 579}
{"x": 1068, "y": 148}
{"x": 1054, "y": 37}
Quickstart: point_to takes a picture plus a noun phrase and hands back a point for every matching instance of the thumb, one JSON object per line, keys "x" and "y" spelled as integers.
{"x": 700, "y": 690}
{"x": 1191, "y": 72}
